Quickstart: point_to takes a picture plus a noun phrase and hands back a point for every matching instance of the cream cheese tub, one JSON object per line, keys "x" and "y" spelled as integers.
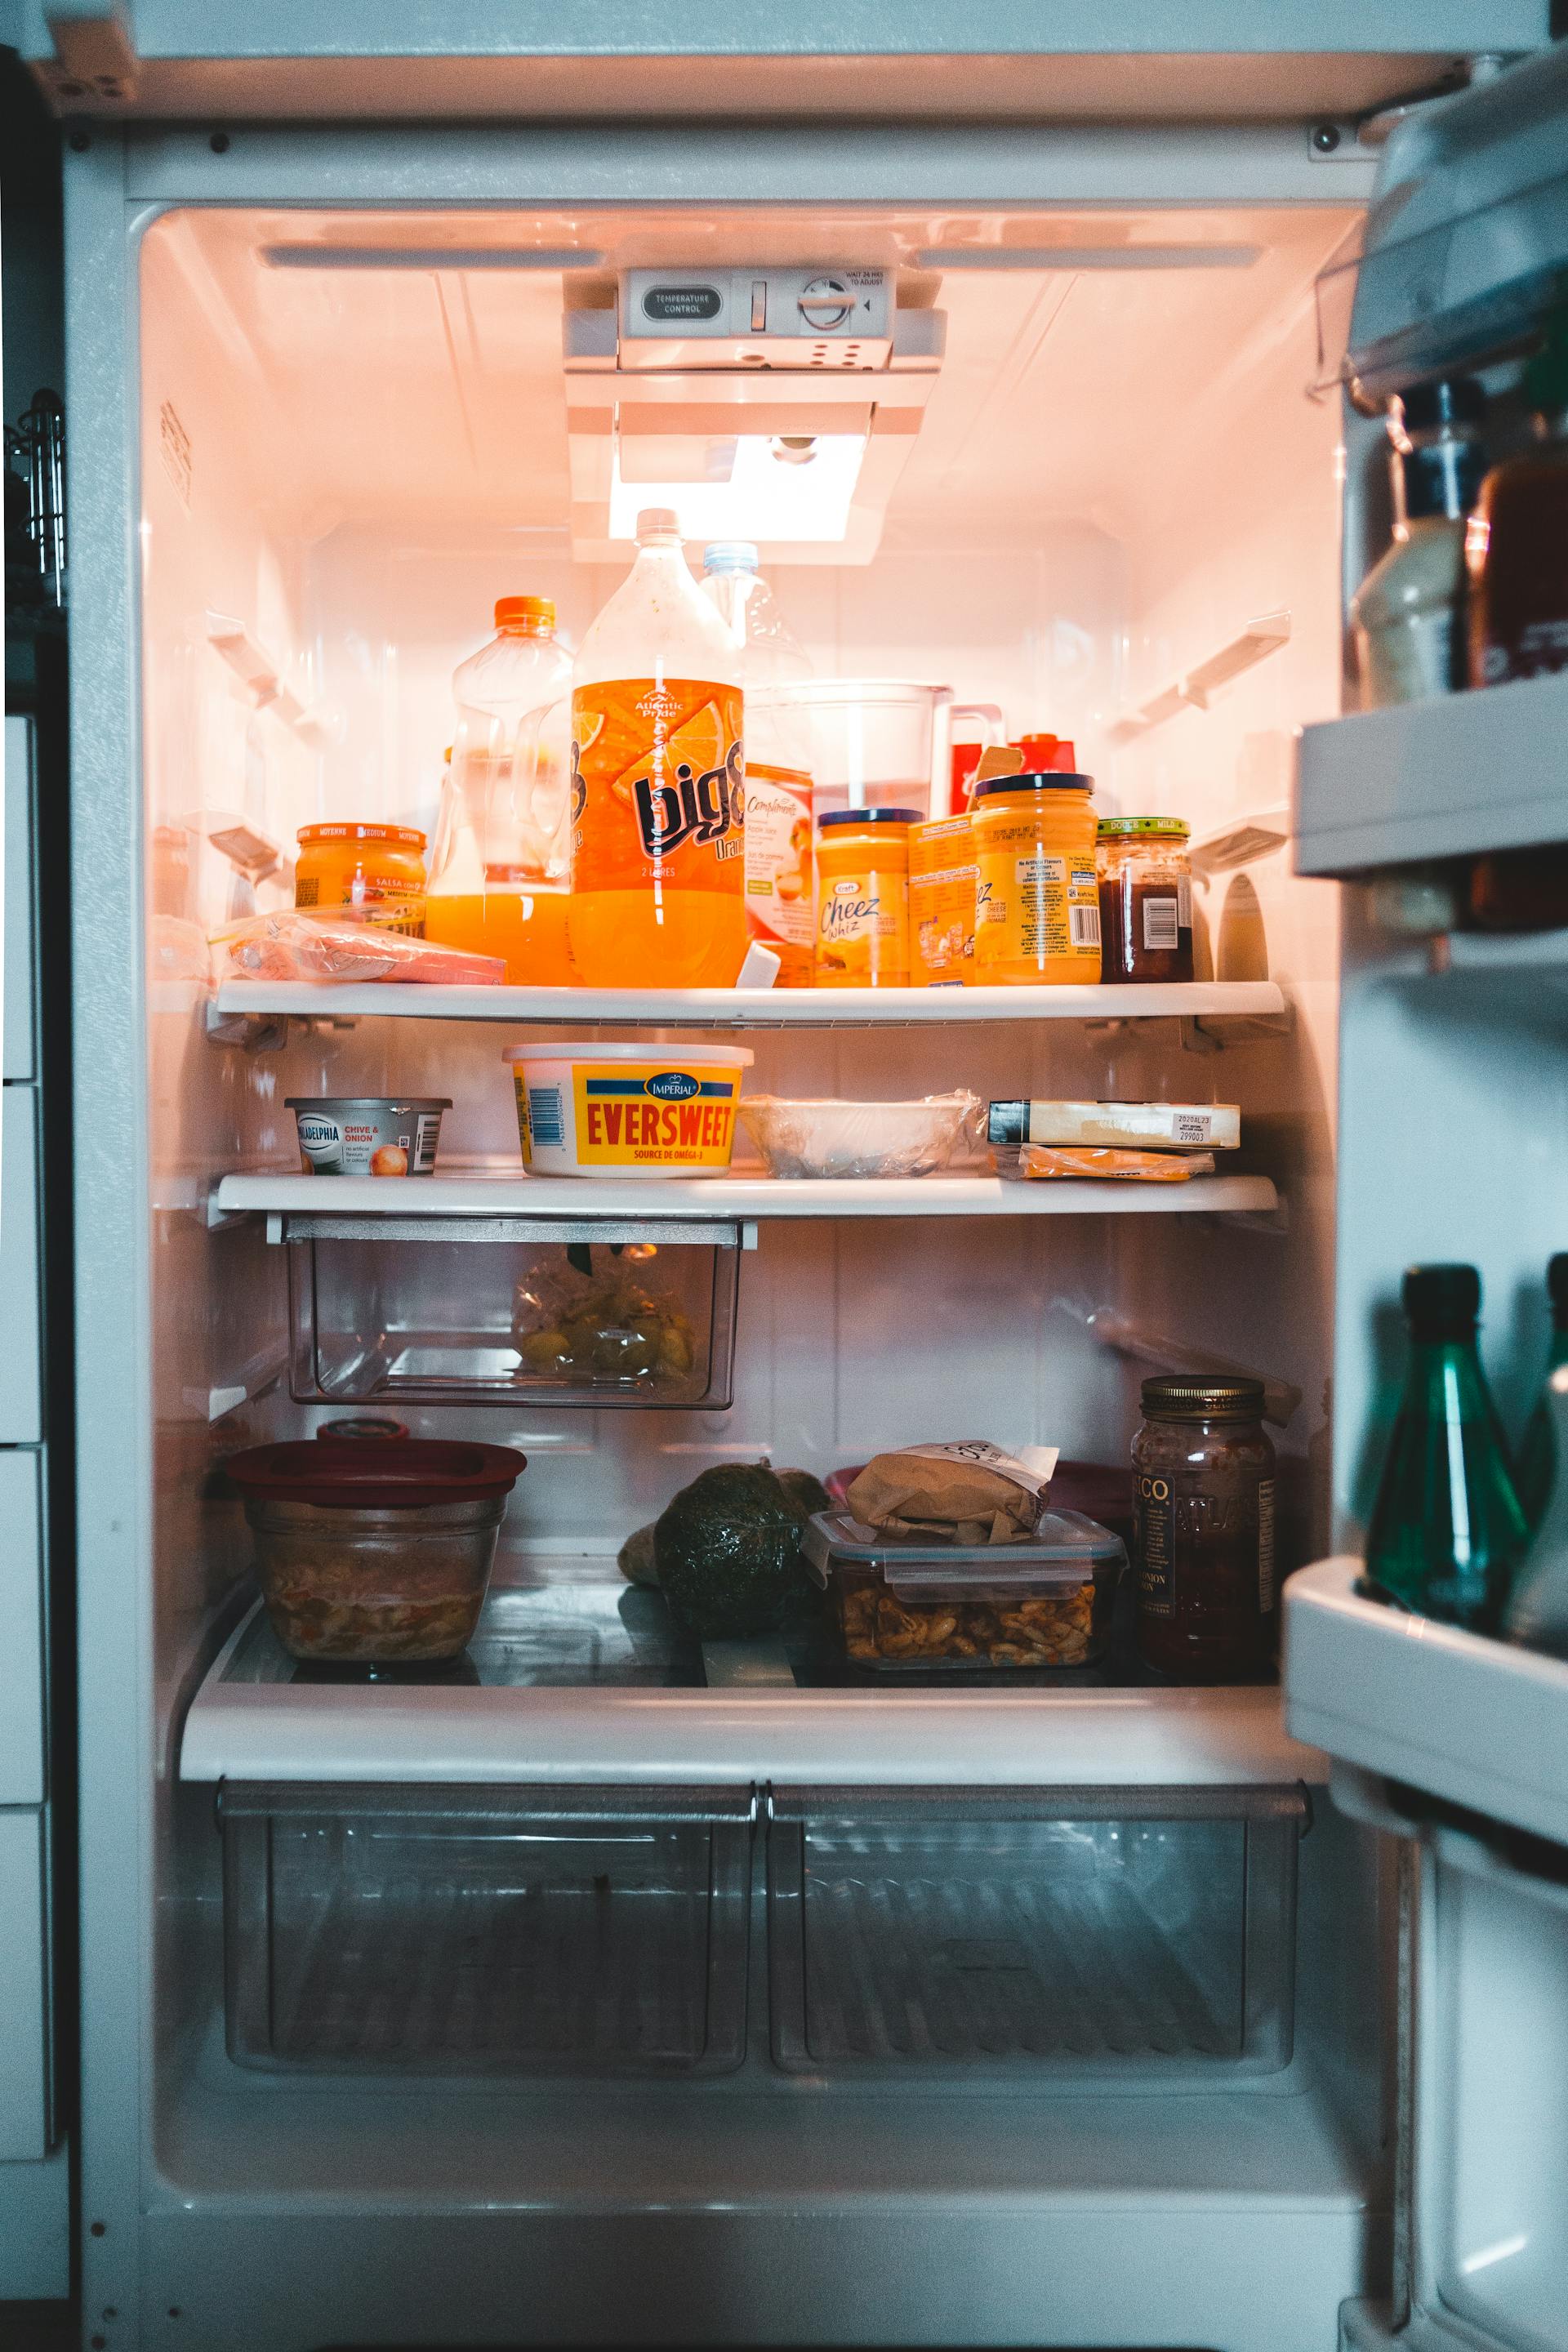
{"x": 368, "y": 1135}
{"x": 627, "y": 1110}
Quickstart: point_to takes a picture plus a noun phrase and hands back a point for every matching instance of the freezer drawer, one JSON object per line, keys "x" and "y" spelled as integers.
{"x": 1132, "y": 1936}
{"x": 486, "y": 1930}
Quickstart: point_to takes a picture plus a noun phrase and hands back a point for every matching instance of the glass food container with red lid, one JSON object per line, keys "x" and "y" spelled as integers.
{"x": 374, "y": 1552}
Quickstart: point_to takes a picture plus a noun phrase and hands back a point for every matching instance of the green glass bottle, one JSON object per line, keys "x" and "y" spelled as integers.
{"x": 1538, "y": 1446}
{"x": 1447, "y": 1529}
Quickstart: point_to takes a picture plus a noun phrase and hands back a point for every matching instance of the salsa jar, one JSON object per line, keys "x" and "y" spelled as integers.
{"x": 376, "y": 870}
{"x": 1203, "y": 1519}
{"x": 1037, "y": 912}
{"x": 1145, "y": 898}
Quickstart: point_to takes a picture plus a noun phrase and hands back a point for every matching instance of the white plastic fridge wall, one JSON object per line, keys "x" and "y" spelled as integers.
{"x": 1129, "y": 472}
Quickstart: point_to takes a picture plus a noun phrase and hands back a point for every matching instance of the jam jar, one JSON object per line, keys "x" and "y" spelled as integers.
{"x": 1203, "y": 1548}
{"x": 1145, "y": 898}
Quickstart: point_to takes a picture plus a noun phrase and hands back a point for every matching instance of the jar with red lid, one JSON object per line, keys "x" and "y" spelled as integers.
{"x": 1203, "y": 1510}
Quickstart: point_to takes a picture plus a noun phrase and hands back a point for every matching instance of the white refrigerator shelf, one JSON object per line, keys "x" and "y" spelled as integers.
{"x": 757, "y": 1008}
{"x": 734, "y": 1198}
{"x": 1474, "y": 1721}
{"x": 1448, "y": 778}
{"x": 250, "y": 1722}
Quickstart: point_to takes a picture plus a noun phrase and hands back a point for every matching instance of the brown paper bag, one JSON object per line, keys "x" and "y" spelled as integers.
{"x": 968, "y": 1492}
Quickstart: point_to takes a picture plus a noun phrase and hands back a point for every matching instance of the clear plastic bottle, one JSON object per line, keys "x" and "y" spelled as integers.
{"x": 1407, "y": 616}
{"x": 658, "y": 783}
{"x": 498, "y": 880}
{"x": 781, "y": 883}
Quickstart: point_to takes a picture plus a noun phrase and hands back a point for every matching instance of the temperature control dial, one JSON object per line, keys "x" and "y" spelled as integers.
{"x": 826, "y": 303}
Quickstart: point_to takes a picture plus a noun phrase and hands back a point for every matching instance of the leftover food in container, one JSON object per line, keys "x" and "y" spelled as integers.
{"x": 621, "y": 1324}
{"x": 368, "y": 1135}
{"x": 849, "y": 1139}
{"x": 644, "y": 1110}
{"x": 1135, "y": 1126}
{"x": 343, "y": 948}
{"x": 375, "y": 1553}
{"x": 904, "y": 1606}
{"x": 376, "y": 869}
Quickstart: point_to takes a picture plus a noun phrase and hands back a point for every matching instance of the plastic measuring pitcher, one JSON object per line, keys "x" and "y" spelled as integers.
{"x": 883, "y": 743}
{"x": 497, "y": 865}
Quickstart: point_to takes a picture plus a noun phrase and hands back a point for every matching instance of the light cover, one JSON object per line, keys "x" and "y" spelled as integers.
{"x": 757, "y": 498}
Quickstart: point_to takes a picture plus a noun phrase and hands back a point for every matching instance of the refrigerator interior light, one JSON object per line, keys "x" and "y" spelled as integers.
{"x": 763, "y": 493}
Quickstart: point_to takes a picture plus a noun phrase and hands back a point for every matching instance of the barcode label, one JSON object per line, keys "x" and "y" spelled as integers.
{"x": 1083, "y": 925}
{"x": 1266, "y": 1546}
{"x": 1160, "y": 923}
{"x": 546, "y": 1118}
{"x": 1184, "y": 904}
{"x": 1191, "y": 1127}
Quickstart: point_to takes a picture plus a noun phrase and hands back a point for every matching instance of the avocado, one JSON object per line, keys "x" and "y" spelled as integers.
{"x": 728, "y": 1553}
{"x": 808, "y": 1495}
{"x": 634, "y": 1559}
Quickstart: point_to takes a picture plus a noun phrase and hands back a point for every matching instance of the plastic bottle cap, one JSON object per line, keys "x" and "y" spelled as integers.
{"x": 1557, "y": 1282}
{"x": 533, "y": 613}
{"x": 1441, "y": 1299}
{"x": 1055, "y": 781}
{"x": 730, "y": 555}
{"x": 657, "y": 522}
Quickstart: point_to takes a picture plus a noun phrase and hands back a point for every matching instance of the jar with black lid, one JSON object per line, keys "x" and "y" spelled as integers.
{"x": 1203, "y": 1530}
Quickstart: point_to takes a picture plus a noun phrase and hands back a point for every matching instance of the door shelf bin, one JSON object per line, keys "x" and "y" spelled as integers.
{"x": 1133, "y": 1937}
{"x": 496, "y": 1310}
{"x": 486, "y": 1930}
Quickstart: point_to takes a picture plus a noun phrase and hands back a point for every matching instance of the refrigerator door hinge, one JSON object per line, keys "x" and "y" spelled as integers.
{"x": 95, "y": 52}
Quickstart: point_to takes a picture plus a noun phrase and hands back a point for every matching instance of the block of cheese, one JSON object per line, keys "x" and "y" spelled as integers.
{"x": 1133, "y": 1126}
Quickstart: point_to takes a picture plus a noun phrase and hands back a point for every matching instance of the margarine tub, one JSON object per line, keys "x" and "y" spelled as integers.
{"x": 599, "y": 1110}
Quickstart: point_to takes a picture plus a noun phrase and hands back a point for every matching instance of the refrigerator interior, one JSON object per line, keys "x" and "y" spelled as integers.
{"x": 343, "y": 465}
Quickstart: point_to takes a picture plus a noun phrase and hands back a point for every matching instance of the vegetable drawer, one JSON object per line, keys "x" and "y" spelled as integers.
{"x": 1128, "y": 1936}
{"x": 486, "y": 1930}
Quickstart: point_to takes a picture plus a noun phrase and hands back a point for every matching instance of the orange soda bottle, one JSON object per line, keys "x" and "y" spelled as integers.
{"x": 658, "y": 783}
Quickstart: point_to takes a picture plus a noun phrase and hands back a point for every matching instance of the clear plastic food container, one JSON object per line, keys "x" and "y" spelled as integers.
{"x": 375, "y": 1553}
{"x": 908, "y": 1607}
{"x": 855, "y": 1139}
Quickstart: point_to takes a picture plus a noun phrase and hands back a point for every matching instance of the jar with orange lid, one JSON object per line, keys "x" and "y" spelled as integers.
{"x": 376, "y": 870}
{"x": 863, "y": 898}
{"x": 1037, "y": 892}
{"x": 942, "y": 903}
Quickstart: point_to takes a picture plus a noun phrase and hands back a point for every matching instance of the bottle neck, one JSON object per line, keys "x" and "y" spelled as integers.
{"x": 1438, "y": 482}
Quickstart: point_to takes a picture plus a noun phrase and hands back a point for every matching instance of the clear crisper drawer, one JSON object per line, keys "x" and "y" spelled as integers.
{"x": 1130, "y": 1935}
{"x": 431, "y": 1310}
{"x": 486, "y": 1930}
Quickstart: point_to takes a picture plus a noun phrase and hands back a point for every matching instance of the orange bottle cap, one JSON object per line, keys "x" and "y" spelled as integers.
{"x": 533, "y": 616}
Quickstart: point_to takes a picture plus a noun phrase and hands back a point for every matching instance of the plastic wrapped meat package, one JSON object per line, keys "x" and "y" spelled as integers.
{"x": 826, "y": 1139}
{"x": 292, "y": 945}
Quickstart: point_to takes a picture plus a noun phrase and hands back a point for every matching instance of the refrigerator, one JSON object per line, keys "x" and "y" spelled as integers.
{"x": 608, "y": 1991}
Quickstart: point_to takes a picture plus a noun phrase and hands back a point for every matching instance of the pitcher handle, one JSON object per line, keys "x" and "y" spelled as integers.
{"x": 990, "y": 716}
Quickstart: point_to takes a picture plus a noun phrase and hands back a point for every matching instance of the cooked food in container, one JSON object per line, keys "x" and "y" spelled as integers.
{"x": 907, "y": 1607}
{"x": 374, "y": 1552}
{"x": 820, "y": 1138}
